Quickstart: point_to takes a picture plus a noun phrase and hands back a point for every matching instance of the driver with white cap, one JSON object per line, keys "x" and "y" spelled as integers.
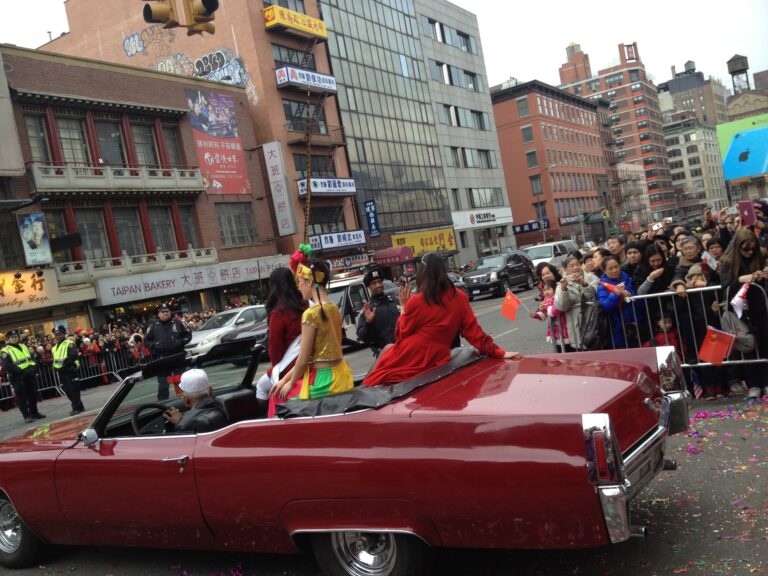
{"x": 204, "y": 414}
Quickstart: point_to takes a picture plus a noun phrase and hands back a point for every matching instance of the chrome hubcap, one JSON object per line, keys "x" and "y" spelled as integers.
{"x": 365, "y": 553}
{"x": 10, "y": 528}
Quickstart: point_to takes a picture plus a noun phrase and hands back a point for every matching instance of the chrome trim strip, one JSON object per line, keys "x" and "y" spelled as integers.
{"x": 369, "y": 530}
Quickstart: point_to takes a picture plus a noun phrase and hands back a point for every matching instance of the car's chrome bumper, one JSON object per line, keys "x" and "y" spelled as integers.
{"x": 641, "y": 465}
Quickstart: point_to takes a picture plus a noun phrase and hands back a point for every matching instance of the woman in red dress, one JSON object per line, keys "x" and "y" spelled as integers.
{"x": 430, "y": 321}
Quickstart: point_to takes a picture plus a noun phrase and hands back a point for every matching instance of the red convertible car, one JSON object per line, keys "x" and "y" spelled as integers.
{"x": 546, "y": 452}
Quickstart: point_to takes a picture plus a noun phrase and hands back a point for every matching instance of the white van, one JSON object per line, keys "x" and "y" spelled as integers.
{"x": 551, "y": 252}
{"x": 349, "y": 294}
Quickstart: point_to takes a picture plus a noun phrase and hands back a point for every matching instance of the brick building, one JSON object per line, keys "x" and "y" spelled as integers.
{"x": 689, "y": 90}
{"x": 635, "y": 117}
{"x": 110, "y": 171}
{"x": 553, "y": 160}
{"x": 282, "y": 64}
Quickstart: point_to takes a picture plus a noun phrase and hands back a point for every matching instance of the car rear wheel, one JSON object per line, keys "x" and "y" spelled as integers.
{"x": 531, "y": 283}
{"x": 371, "y": 554}
{"x": 19, "y": 546}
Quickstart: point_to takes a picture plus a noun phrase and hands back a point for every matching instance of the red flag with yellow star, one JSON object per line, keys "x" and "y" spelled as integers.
{"x": 510, "y": 306}
{"x": 716, "y": 346}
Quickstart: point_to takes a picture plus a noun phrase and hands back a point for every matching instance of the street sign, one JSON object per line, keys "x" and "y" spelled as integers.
{"x": 372, "y": 217}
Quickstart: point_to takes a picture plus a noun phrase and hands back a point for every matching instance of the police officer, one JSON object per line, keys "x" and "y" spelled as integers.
{"x": 22, "y": 372}
{"x": 166, "y": 337}
{"x": 66, "y": 363}
{"x": 376, "y": 323}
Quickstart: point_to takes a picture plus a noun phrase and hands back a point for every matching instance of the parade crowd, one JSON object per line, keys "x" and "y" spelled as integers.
{"x": 634, "y": 291}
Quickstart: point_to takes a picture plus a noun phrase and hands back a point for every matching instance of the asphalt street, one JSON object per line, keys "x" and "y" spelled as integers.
{"x": 709, "y": 517}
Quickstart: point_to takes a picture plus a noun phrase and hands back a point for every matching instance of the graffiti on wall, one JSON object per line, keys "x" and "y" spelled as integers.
{"x": 152, "y": 41}
{"x": 177, "y": 63}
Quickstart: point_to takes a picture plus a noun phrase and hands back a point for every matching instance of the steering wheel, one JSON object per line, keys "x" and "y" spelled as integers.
{"x": 155, "y": 426}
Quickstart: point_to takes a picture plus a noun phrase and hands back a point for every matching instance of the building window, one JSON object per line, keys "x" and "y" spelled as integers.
{"x": 522, "y": 107}
{"x": 295, "y": 5}
{"x": 10, "y": 249}
{"x": 456, "y": 198}
{"x": 172, "y": 148}
{"x": 110, "y": 137}
{"x": 162, "y": 229}
{"x": 694, "y": 160}
{"x": 527, "y": 132}
{"x": 536, "y": 185}
{"x": 322, "y": 166}
{"x": 326, "y": 220}
{"x": 129, "y": 230}
{"x": 692, "y": 149}
{"x": 486, "y": 197}
{"x": 674, "y": 152}
{"x": 38, "y": 139}
{"x": 296, "y": 117}
{"x": 72, "y": 140}
{"x": 144, "y": 143}
{"x": 236, "y": 223}
{"x": 614, "y": 79}
{"x": 463, "y": 240}
{"x": 531, "y": 160}
{"x": 187, "y": 217}
{"x": 90, "y": 225}
{"x": 284, "y": 56}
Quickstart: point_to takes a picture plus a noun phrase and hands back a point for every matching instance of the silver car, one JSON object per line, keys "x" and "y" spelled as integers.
{"x": 222, "y": 324}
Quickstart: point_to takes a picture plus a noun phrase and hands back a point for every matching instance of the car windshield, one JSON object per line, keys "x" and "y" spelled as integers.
{"x": 337, "y": 295}
{"x": 224, "y": 372}
{"x": 218, "y": 321}
{"x": 539, "y": 252}
{"x": 491, "y": 262}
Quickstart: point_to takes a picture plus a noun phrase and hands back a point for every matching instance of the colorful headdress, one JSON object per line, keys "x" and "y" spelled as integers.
{"x": 310, "y": 273}
{"x": 301, "y": 256}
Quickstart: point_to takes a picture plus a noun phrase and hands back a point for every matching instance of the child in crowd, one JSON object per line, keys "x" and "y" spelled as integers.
{"x": 557, "y": 331}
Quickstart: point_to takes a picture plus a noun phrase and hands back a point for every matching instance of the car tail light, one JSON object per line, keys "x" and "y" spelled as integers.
{"x": 604, "y": 463}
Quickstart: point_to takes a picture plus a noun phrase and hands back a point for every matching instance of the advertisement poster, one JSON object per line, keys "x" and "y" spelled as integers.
{"x": 219, "y": 148}
{"x": 34, "y": 238}
{"x": 744, "y": 147}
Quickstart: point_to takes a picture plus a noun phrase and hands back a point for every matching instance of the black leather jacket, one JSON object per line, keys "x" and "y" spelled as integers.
{"x": 205, "y": 416}
{"x": 166, "y": 338}
{"x": 381, "y": 331}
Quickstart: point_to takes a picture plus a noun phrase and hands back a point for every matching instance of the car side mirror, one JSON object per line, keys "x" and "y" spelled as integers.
{"x": 88, "y": 437}
{"x": 240, "y": 321}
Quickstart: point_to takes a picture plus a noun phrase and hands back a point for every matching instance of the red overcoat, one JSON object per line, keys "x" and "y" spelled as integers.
{"x": 424, "y": 334}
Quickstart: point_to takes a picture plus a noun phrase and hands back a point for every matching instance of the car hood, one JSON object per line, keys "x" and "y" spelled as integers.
{"x": 482, "y": 271}
{"x": 199, "y": 335}
{"x": 49, "y": 436}
{"x": 552, "y": 387}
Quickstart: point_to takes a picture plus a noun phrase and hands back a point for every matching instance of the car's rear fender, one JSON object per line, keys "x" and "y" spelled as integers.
{"x": 303, "y": 517}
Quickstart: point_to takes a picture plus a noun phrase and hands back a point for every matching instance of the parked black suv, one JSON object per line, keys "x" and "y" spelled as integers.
{"x": 499, "y": 272}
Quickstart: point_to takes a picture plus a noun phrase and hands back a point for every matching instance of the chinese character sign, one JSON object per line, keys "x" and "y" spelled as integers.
{"x": 372, "y": 218}
{"x": 219, "y": 147}
{"x": 34, "y": 238}
{"x": 281, "y": 199}
{"x": 437, "y": 240}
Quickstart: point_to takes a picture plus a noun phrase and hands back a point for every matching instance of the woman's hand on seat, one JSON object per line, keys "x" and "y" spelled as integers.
{"x": 513, "y": 356}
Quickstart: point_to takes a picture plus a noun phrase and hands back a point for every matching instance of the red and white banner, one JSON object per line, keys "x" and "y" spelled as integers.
{"x": 219, "y": 148}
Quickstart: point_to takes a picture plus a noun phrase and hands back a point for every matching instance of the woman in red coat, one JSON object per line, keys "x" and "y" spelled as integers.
{"x": 430, "y": 321}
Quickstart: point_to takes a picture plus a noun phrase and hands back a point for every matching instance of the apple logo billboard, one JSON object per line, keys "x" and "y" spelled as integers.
{"x": 744, "y": 147}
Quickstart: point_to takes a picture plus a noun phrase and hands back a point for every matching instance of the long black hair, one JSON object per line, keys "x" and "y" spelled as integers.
{"x": 320, "y": 269}
{"x": 283, "y": 290}
{"x": 432, "y": 279}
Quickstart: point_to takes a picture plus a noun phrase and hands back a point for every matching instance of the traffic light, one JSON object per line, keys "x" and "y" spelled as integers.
{"x": 199, "y": 15}
{"x": 161, "y": 12}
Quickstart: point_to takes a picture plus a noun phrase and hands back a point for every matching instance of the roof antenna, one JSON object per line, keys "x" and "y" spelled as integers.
{"x": 50, "y": 36}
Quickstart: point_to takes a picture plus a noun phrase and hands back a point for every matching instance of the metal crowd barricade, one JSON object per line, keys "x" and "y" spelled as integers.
{"x": 644, "y": 330}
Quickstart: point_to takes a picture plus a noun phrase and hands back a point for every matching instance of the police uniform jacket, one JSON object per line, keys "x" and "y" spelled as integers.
{"x": 169, "y": 337}
{"x": 381, "y": 331}
{"x": 71, "y": 361}
{"x": 10, "y": 359}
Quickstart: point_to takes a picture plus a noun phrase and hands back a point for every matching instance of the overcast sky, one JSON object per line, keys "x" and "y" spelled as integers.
{"x": 527, "y": 40}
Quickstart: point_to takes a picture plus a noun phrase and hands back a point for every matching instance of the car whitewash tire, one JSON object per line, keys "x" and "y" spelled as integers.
{"x": 371, "y": 554}
{"x": 19, "y": 546}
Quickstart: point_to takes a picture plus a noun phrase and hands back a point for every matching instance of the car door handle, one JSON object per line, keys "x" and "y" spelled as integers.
{"x": 181, "y": 460}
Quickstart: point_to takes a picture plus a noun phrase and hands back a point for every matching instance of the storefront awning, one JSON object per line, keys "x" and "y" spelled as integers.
{"x": 393, "y": 255}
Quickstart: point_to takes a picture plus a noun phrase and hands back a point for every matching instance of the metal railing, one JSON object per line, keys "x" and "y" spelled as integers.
{"x": 690, "y": 317}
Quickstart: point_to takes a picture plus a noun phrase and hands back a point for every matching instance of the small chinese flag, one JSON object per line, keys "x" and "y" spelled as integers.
{"x": 716, "y": 346}
{"x": 510, "y": 306}
{"x": 608, "y": 286}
